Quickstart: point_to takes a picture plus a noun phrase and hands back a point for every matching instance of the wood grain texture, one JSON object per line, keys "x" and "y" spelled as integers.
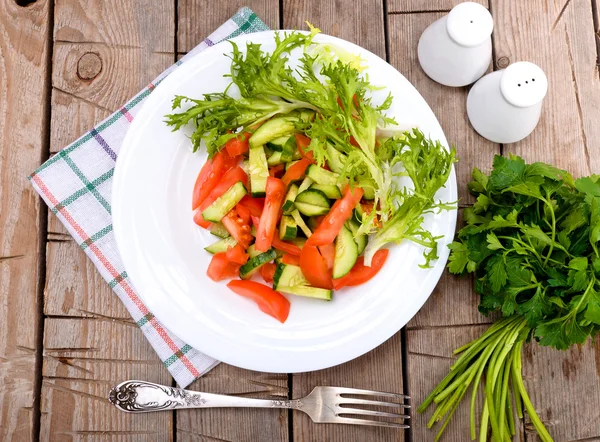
{"x": 197, "y": 19}
{"x": 243, "y": 425}
{"x": 23, "y": 91}
{"x": 380, "y": 370}
{"x": 559, "y": 37}
{"x": 413, "y": 6}
{"x": 105, "y": 52}
{"x": 83, "y": 359}
{"x": 448, "y": 104}
{"x": 77, "y": 289}
{"x": 360, "y": 22}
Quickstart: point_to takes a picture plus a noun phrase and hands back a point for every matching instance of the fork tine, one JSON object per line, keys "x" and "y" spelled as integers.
{"x": 342, "y": 390}
{"x": 348, "y": 420}
{"x": 372, "y": 413}
{"x": 354, "y": 401}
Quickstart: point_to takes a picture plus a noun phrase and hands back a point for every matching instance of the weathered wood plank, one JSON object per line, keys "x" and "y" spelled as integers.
{"x": 78, "y": 289}
{"x": 559, "y": 37}
{"x": 448, "y": 104}
{"x": 408, "y": 6}
{"x": 104, "y": 53}
{"x": 360, "y": 22}
{"x": 83, "y": 359}
{"x": 23, "y": 92}
{"x": 380, "y": 370}
{"x": 197, "y": 19}
{"x": 242, "y": 424}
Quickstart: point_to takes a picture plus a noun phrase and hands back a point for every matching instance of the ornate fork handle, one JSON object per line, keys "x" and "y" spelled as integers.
{"x": 142, "y": 397}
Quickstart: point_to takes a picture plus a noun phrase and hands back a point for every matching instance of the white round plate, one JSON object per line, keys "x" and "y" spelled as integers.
{"x": 163, "y": 250}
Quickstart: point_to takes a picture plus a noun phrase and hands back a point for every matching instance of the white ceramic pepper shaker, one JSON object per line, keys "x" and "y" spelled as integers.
{"x": 505, "y": 106}
{"x": 456, "y": 50}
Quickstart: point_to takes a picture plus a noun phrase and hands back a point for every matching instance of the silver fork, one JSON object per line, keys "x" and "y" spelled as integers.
{"x": 323, "y": 404}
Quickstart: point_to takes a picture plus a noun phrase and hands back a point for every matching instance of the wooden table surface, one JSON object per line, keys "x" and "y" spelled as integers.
{"x": 65, "y": 338}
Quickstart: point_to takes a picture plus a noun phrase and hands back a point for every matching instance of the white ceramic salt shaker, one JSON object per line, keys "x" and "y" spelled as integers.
{"x": 456, "y": 50}
{"x": 505, "y": 106}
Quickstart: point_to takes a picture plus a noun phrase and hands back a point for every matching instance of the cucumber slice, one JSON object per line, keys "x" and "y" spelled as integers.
{"x": 288, "y": 229}
{"x": 314, "y": 197}
{"x": 331, "y": 192}
{"x": 277, "y": 144}
{"x": 288, "y": 205}
{"x": 306, "y": 183}
{"x": 321, "y": 176}
{"x": 358, "y": 213}
{"x": 253, "y": 264}
{"x": 222, "y": 205}
{"x": 252, "y": 252}
{"x": 300, "y": 223}
{"x": 259, "y": 171}
{"x": 337, "y": 160}
{"x": 346, "y": 253}
{"x": 310, "y": 209}
{"x": 253, "y": 230}
{"x": 298, "y": 241}
{"x": 271, "y": 130}
{"x": 275, "y": 159}
{"x": 221, "y": 246}
{"x": 289, "y": 279}
{"x": 219, "y": 230}
{"x": 368, "y": 186}
{"x": 360, "y": 240}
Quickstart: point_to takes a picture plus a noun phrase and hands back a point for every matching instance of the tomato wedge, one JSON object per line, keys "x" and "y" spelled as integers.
{"x": 237, "y": 254}
{"x": 270, "y": 215}
{"x": 207, "y": 179}
{"x": 269, "y": 301}
{"x": 238, "y": 145}
{"x": 335, "y": 219}
{"x": 361, "y": 273}
{"x": 314, "y": 267}
{"x": 244, "y": 213}
{"x": 221, "y": 268}
{"x": 255, "y": 220}
{"x": 267, "y": 271}
{"x": 255, "y": 205}
{"x": 277, "y": 171}
{"x": 286, "y": 247}
{"x": 237, "y": 228}
{"x": 290, "y": 259}
{"x": 302, "y": 142}
{"x": 328, "y": 252}
{"x": 296, "y": 171}
{"x": 230, "y": 177}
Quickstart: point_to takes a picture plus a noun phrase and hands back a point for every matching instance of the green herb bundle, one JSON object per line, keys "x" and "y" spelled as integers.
{"x": 531, "y": 240}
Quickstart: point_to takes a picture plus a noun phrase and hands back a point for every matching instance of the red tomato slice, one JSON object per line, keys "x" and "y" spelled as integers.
{"x": 255, "y": 205}
{"x": 268, "y": 219}
{"x": 286, "y": 247}
{"x": 230, "y": 177}
{"x": 221, "y": 268}
{"x": 269, "y": 301}
{"x": 314, "y": 267}
{"x": 237, "y": 228}
{"x": 237, "y": 254}
{"x": 255, "y": 220}
{"x": 290, "y": 259}
{"x": 207, "y": 179}
{"x": 328, "y": 252}
{"x": 302, "y": 142}
{"x": 238, "y": 145}
{"x": 361, "y": 273}
{"x": 335, "y": 219}
{"x": 296, "y": 171}
{"x": 244, "y": 213}
{"x": 267, "y": 271}
{"x": 277, "y": 171}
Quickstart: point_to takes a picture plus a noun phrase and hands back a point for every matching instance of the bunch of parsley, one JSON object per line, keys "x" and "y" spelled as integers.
{"x": 531, "y": 240}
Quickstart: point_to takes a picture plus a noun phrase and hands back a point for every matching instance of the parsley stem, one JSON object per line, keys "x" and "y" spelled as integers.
{"x": 549, "y": 204}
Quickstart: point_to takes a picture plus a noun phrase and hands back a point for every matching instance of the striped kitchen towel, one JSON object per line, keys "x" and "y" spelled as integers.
{"x": 76, "y": 184}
